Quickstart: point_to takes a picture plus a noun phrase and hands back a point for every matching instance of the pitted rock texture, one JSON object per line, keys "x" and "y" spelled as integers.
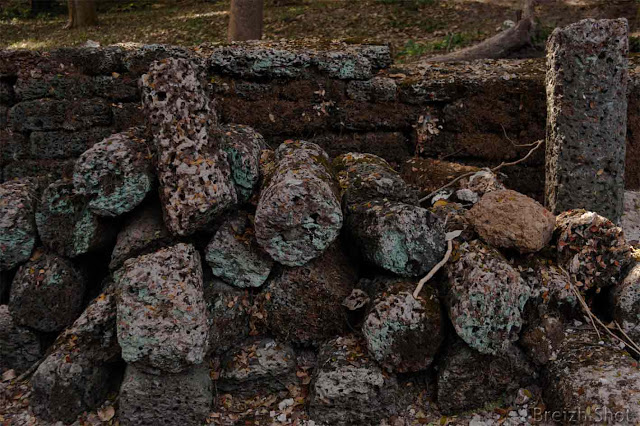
{"x": 17, "y": 221}
{"x": 591, "y": 248}
{"x": 400, "y": 238}
{"x": 234, "y": 254}
{"x": 486, "y": 298}
{"x": 228, "y": 310}
{"x": 508, "y": 219}
{"x": 114, "y": 174}
{"x": 167, "y": 400}
{"x": 589, "y": 374}
{"x": 587, "y": 79}
{"x": 481, "y": 183}
{"x": 195, "y": 182}
{"x": 299, "y": 213}
{"x": 258, "y": 365}
{"x": 303, "y": 303}
{"x": 542, "y": 338}
{"x": 144, "y": 232}
{"x": 19, "y": 346}
{"x": 66, "y": 225}
{"x": 364, "y": 177}
{"x": 47, "y": 293}
{"x": 468, "y": 379}
{"x": 243, "y": 146}
{"x": 626, "y": 303}
{"x": 404, "y": 333}
{"x": 551, "y": 290}
{"x": 162, "y": 320}
{"x": 348, "y": 387}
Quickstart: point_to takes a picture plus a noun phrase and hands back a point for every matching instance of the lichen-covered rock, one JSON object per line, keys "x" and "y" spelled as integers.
{"x": 364, "y": 177}
{"x": 19, "y": 347}
{"x": 401, "y": 238}
{"x": 162, "y": 320}
{"x": 17, "y": 222}
{"x": 626, "y": 303}
{"x": 144, "y": 232}
{"x": 228, "y": 310}
{"x": 299, "y": 213}
{"x": 468, "y": 379}
{"x": 195, "y": 182}
{"x": 508, "y": 219}
{"x": 47, "y": 293}
{"x": 303, "y": 303}
{"x": 486, "y": 297}
{"x": 594, "y": 379}
{"x": 115, "y": 174}
{"x": 182, "y": 399}
{"x": 76, "y": 375}
{"x": 258, "y": 364}
{"x": 234, "y": 255}
{"x": 591, "y": 248}
{"x": 66, "y": 225}
{"x": 404, "y": 333}
{"x": 243, "y": 146}
{"x": 348, "y": 387}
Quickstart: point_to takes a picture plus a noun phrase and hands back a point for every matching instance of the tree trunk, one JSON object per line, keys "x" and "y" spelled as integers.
{"x": 82, "y": 13}
{"x": 245, "y": 20}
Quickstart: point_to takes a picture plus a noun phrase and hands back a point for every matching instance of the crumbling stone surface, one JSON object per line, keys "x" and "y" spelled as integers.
{"x": 258, "y": 365}
{"x": 508, "y": 219}
{"x": 243, "y": 146}
{"x": 195, "y": 183}
{"x": 169, "y": 399}
{"x": 377, "y": 89}
{"x": 481, "y": 183}
{"x": 404, "y": 333}
{"x": 47, "y": 293}
{"x": 162, "y": 321}
{"x": 114, "y": 174}
{"x": 57, "y": 114}
{"x": 542, "y": 339}
{"x": 364, "y": 177}
{"x": 228, "y": 312}
{"x": 587, "y": 79}
{"x": 62, "y": 144}
{"x": 401, "y": 238}
{"x": 626, "y": 303}
{"x": 348, "y": 387}
{"x": 588, "y": 375}
{"x": 17, "y": 222}
{"x": 591, "y": 248}
{"x": 19, "y": 346}
{"x": 303, "y": 303}
{"x": 630, "y": 221}
{"x": 299, "y": 213}
{"x": 468, "y": 379}
{"x": 144, "y": 232}
{"x": 551, "y": 290}
{"x": 66, "y": 225}
{"x": 486, "y": 298}
{"x": 234, "y": 255}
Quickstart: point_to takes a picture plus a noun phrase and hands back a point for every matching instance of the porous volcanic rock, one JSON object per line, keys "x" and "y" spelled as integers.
{"x": 47, "y": 293}
{"x": 115, "y": 174}
{"x": 591, "y": 248}
{"x": 626, "y": 303}
{"x": 195, "y": 182}
{"x": 299, "y": 213}
{"x": 542, "y": 338}
{"x": 508, "y": 219}
{"x": 19, "y": 346}
{"x": 162, "y": 320}
{"x": 404, "y": 333}
{"x": 18, "y": 232}
{"x": 486, "y": 298}
{"x": 228, "y": 310}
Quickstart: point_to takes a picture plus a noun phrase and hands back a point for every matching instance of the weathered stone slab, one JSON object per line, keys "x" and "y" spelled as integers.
{"x": 64, "y": 144}
{"x": 228, "y": 310}
{"x": 55, "y": 114}
{"x": 587, "y": 78}
{"x": 19, "y": 346}
{"x": 630, "y": 222}
{"x": 17, "y": 221}
{"x": 626, "y": 303}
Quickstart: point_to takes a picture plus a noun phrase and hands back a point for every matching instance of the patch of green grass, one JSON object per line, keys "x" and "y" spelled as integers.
{"x": 450, "y": 42}
{"x": 411, "y": 48}
{"x": 409, "y": 3}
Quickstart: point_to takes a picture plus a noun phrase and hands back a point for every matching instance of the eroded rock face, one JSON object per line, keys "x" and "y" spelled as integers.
{"x": 19, "y": 346}
{"x": 591, "y": 248}
{"x": 115, "y": 174}
{"x": 228, "y": 311}
{"x": 486, "y": 297}
{"x": 626, "y": 303}
{"x": 47, "y": 293}
{"x": 168, "y": 399}
{"x": 348, "y": 387}
{"x": 404, "y": 333}
{"x": 195, "y": 182}
{"x": 17, "y": 222}
{"x": 162, "y": 321}
{"x": 508, "y": 219}
{"x": 299, "y": 213}
{"x": 542, "y": 339}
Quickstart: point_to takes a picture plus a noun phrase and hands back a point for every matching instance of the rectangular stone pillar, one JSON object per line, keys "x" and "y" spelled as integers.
{"x": 587, "y": 77}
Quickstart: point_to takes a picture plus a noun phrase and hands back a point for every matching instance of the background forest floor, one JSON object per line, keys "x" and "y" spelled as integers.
{"x": 415, "y": 28}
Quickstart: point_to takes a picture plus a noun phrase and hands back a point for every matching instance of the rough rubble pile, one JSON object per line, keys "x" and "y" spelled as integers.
{"x": 204, "y": 278}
